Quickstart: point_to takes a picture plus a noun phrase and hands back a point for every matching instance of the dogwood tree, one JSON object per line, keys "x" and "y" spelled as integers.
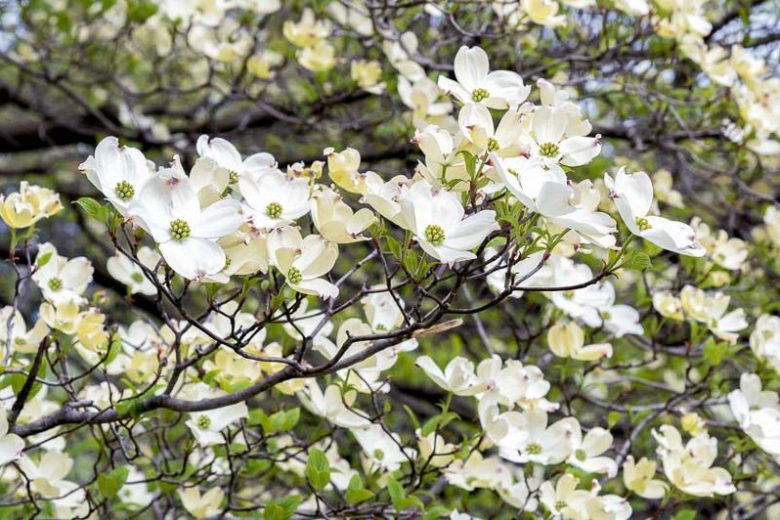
{"x": 390, "y": 259}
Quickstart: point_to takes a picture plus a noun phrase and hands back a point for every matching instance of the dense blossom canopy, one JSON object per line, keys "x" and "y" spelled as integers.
{"x": 390, "y": 259}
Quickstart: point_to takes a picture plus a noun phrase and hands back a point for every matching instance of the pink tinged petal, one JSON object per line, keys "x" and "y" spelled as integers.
{"x": 217, "y": 220}
{"x": 673, "y": 236}
{"x": 259, "y": 163}
{"x": 221, "y": 151}
{"x": 193, "y": 258}
{"x": 318, "y": 257}
{"x": 471, "y": 67}
{"x": 184, "y": 200}
{"x": 577, "y": 151}
{"x": 454, "y": 88}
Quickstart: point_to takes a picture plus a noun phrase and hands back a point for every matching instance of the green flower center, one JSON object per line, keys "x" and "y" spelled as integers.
{"x": 180, "y": 229}
{"x": 534, "y": 448}
{"x": 643, "y": 224}
{"x": 227, "y": 262}
{"x": 581, "y": 455}
{"x": 20, "y": 341}
{"x": 492, "y": 145}
{"x": 434, "y": 234}
{"x": 204, "y": 421}
{"x": 232, "y": 177}
{"x": 294, "y": 275}
{"x": 479, "y": 94}
{"x": 137, "y": 277}
{"x": 560, "y": 504}
{"x": 124, "y": 190}
{"x": 274, "y": 210}
{"x": 55, "y": 284}
{"x": 549, "y": 150}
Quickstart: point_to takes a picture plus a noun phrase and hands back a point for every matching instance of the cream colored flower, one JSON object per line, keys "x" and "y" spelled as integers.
{"x": 308, "y": 31}
{"x": 638, "y": 477}
{"x": 336, "y": 221}
{"x": 201, "y": 506}
{"x": 367, "y": 75}
{"x": 320, "y": 57}
{"x": 568, "y": 340}
{"x": 30, "y": 204}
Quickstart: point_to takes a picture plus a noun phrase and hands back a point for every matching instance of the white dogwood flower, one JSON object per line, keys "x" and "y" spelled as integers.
{"x": 567, "y": 340}
{"x": 689, "y": 466}
{"x": 436, "y": 217}
{"x": 119, "y": 172}
{"x": 47, "y": 477}
{"x": 303, "y": 261}
{"x": 14, "y": 331}
{"x": 11, "y": 445}
{"x": 544, "y": 188}
{"x": 475, "y": 83}
{"x": 758, "y": 413}
{"x": 336, "y": 221}
{"x": 61, "y": 279}
{"x": 539, "y": 442}
{"x": 587, "y": 454}
{"x": 458, "y": 376}
{"x": 638, "y": 477}
{"x": 332, "y": 405}
{"x": 201, "y": 506}
{"x": 274, "y": 199}
{"x": 228, "y": 157}
{"x": 633, "y": 197}
{"x": 129, "y": 273}
{"x": 476, "y": 123}
{"x": 168, "y": 209}
{"x": 548, "y": 138}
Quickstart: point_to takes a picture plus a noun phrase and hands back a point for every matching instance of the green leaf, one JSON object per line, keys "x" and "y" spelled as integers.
{"x": 399, "y": 498}
{"x": 355, "y": 492}
{"x": 395, "y": 491}
{"x": 318, "y": 469}
{"x": 93, "y": 209}
{"x": 440, "y": 421}
{"x": 685, "y": 514}
{"x": 638, "y": 261}
{"x": 281, "y": 509}
{"x": 43, "y": 259}
{"x": 278, "y": 422}
{"x": 435, "y": 512}
{"x": 613, "y": 418}
{"x": 714, "y": 351}
{"x": 109, "y": 484}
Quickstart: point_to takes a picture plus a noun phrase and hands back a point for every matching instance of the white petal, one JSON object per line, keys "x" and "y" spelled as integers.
{"x": 471, "y": 67}
{"x": 193, "y": 258}
{"x": 218, "y": 220}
